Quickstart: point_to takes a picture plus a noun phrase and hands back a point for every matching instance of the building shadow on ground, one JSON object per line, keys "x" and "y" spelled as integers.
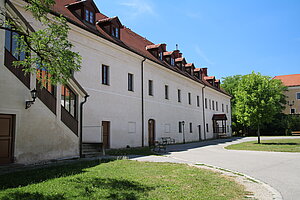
{"x": 189, "y": 146}
{"x": 33, "y": 175}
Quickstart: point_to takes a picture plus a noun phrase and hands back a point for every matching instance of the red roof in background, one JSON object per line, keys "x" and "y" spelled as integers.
{"x": 289, "y": 80}
{"x": 128, "y": 39}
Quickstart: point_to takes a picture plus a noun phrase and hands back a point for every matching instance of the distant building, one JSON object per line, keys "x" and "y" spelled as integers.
{"x": 292, "y": 81}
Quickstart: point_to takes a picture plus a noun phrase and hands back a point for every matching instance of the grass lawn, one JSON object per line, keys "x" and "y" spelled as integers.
{"x": 118, "y": 180}
{"x": 144, "y": 151}
{"x": 278, "y": 145}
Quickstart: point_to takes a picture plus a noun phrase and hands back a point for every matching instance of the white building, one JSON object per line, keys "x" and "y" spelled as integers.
{"x": 139, "y": 91}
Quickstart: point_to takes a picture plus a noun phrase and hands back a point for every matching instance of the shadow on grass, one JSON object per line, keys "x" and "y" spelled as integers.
{"x": 32, "y": 196}
{"x": 117, "y": 189}
{"x": 27, "y": 177}
{"x": 90, "y": 188}
{"x": 279, "y": 143}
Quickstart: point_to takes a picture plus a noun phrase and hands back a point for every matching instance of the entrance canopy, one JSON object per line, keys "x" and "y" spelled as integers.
{"x": 218, "y": 117}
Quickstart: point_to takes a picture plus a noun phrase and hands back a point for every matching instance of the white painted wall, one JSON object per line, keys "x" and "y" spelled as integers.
{"x": 39, "y": 134}
{"x": 123, "y": 109}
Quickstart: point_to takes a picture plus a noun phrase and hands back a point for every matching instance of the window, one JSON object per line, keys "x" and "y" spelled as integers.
{"x": 166, "y": 92}
{"x": 180, "y": 127}
{"x": 298, "y": 95}
{"x": 227, "y": 108}
{"x": 160, "y": 55}
{"x": 217, "y": 106}
{"x": 205, "y": 103}
{"x": 213, "y": 105}
{"x": 191, "y": 127}
{"x": 130, "y": 82}
{"x": 189, "y": 98}
{"x": 69, "y": 100}
{"x": 89, "y": 16}
{"x": 115, "y": 32}
{"x": 105, "y": 75}
{"x": 150, "y": 87}
{"x": 206, "y": 127}
{"x": 293, "y": 110}
{"x": 41, "y": 76}
{"x": 210, "y": 104}
{"x": 198, "y": 101}
{"x": 172, "y": 61}
{"x": 179, "y": 95}
{"x": 222, "y": 107}
{"x": 11, "y": 45}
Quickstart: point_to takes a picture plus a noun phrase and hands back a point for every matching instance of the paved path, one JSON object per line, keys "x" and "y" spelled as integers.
{"x": 280, "y": 170}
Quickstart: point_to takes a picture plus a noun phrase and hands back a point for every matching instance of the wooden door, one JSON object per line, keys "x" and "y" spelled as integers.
{"x": 106, "y": 134}
{"x": 6, "y": 139}
{"x": 151, "y": 132}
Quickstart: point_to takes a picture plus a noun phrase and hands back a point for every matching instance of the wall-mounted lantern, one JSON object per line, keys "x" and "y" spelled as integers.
{"x": 33, "y": 96}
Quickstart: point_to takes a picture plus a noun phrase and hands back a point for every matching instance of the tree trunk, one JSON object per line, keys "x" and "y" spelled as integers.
{"x": 258, "y": 134}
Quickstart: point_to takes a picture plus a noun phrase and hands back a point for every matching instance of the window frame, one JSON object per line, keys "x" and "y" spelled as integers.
{"x": 191, "y": 127}
{"x": 130, "y": 82}
{"x": 180, "y": 127}
{"x": 13, "y": 45}
{"x": 89, "y": 16}
{"x": 179, "y": 95}
{"x": 150, "y": 88}
{"x": 63, "y": 101}
{"x": 190, "y": 98}
{"x": 105, "y": 72}
{"x": 198, "y": 101}
{"x": 167, "y": 92}
{"x": 297, "y": 95}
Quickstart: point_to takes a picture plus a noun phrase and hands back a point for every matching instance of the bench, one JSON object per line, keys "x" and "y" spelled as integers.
{"x": 168, "y": 140}
{"x": 296, "y": 133}
{"x": 162, "y": 143}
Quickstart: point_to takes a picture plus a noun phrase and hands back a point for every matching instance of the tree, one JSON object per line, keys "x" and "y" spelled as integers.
{"x": 46, "y": 49}
{"x": 230, "y": 85}
{"x": 258, "y": 99}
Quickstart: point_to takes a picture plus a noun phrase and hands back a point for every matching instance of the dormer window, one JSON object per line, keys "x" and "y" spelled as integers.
{"x": 160, "y": 55}
{"x": 89, "y": 16}
{"x": 115, "y": 32}
{"x": 172, "y": 61}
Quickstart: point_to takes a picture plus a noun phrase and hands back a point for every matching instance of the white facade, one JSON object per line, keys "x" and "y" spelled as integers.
{"x": 110, "y": 103}
{"x": 123, "y": 108}
{"x": 38, "y": 133}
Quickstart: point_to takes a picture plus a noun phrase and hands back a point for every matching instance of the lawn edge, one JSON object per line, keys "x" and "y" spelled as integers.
{"x": 276, "y": 195}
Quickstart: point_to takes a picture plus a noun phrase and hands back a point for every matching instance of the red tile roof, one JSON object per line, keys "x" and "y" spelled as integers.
{"x": 179, "y": 59}
{"x": 289, "y": 80}
{"x": 197, "y": 69}
{"x": 168, "y": 53}
{"x": 209, "y": 77}
{"x": 129, "y": 39}
{"x": 189, "y": 65}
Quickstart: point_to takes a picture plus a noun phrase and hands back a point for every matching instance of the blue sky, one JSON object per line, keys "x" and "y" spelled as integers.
{"x": 228, "y": 36}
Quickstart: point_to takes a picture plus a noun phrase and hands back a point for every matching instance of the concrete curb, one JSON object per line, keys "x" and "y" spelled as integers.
{"x": 275, "y": 193}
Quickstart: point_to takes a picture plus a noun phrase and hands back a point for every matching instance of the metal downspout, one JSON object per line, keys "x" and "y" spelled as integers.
{"x": 204, "y": 125}
{"x": 142, "y": 90}
{"x": 81, "y": 117}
